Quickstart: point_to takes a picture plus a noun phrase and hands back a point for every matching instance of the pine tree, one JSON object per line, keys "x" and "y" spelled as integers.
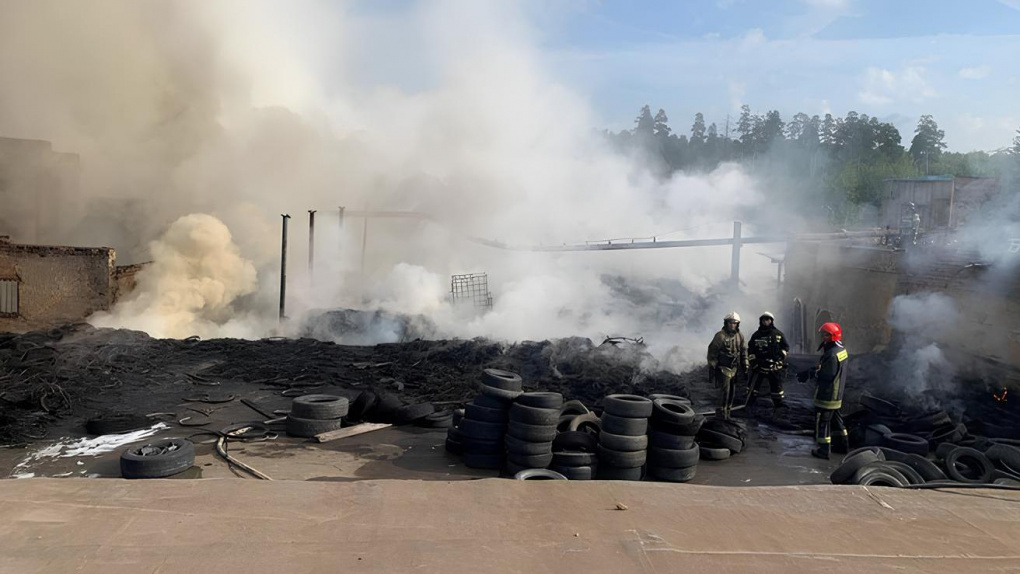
{"x": 698, "y": 129}
{"x": 644, "y": 124}
{"x": 928, "y": 142}
{"x": 661, "y": 124}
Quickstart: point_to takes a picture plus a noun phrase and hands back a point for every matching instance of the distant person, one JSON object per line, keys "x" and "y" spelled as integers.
{"x": 830, "y": 372}
{"x": 727, "y": 354}
{"x": 767, "y": 350}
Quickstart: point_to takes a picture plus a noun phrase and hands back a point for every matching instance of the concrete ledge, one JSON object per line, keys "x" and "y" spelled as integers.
{"x": 495, "y": 525}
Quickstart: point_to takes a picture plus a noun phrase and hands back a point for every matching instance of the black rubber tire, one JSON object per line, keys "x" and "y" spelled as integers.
{"x": 665, "y": 440}
{"x": 628, "y": 406}
{"x": 568, "y": 458}
{"x": 907, "y": 443}
{"x": 522, "y": 447}
{"x": 510, "y": 469}
{"x": 484, "y": 461}
{"x": 853, "y": 462}
{"x": 575, "y": 441}
{"x": 875, "y": 449}
{"x": 623, "y": 443}
{"x": 574, "y": 407}
{"x": 385, "y": 409}
{"x": 943, "y": 450}
{"x": 709, "y": 453}
{"x": 880, "y": 407}
{"x": 1004, "y": 456}
{"x": 485, "y": 414}
{"x": 878, "y": 476}
{"x": 474, "y": 446}
{"x": 482, "y": 430}
{"x": 928, "y": 470}
{"x": 670, "y": 458}
{"x": 563, "y": 424}
{"x": 436, "y": 420}
{"x": 539, "y": 474}
{"x": 613, "y": 473}
{"x": 946, "y": 433}
{"x": 530, "y": 460}
{"x": 454, "y": 447}
{"x": 458, "y": 415}
{"x": 874, "y": 435}
{"x": 407, "y": 414}
{"x": 908, "y": 472}
{"x": 670, "y": 397}
{"x": 116, "y": 423}
{"x": 135, "y": 465}
{"x": 1007, "y": 482}
{"x": 575, "y": 472}
{"x": 973, "y": 459}
{"x": 532, "y": 433}
{"x": 712, "y": 438}
{"x": 729, "y": 428}
{"x": 362, "y": 405}
{"x": 503, "y": 380}
{"x": 307, "y": 428}
{"x": 690, "y": 429}
{"x": 624, "y": 426}
{"x": 589, "y": 423}
{"x": 621, "y": 459}
{"x": 319, "y": 407}
{"x": 499, "y": 394}
{"x": 541, "y": 400}
{"x": 534, "y": 416}
{"x": 673, "y": 474}
{"x": 672, "y": 411}
{"x": 454, "y": 433}
{"x": 490, "y": 403}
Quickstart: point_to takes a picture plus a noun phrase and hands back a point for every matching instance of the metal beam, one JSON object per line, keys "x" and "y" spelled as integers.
{"x": 283, "y": 269}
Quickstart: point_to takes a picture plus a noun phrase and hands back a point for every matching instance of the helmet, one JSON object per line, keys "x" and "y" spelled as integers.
{"x": 832, "y": 329}
{"x": 732, "y": 316}
{"x": 767, "y": 315}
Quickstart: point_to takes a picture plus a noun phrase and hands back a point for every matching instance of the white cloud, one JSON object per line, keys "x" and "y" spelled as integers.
{"x": 882, "y": 87}
{"x": 834, "y": 4}
{"x": 754, "y": 37}
{"x": 975, "y": 73}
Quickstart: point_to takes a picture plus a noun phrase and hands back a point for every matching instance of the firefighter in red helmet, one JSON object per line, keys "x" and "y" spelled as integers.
{"x": 830, "y": 374}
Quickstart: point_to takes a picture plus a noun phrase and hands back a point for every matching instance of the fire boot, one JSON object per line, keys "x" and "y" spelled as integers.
{"x": 821, "y": 451}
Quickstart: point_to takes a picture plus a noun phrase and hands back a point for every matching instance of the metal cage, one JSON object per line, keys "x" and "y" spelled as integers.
{"x": 471, "y": 288}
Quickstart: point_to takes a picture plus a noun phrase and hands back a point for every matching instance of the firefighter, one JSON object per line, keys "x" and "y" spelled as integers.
{"x": 767, "y": 350}
{"x": 727, "y": 355}
{"x": 830, "y": 373}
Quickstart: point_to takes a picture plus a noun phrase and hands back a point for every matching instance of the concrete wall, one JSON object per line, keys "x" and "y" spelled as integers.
{"x": 57, "y": 284}
{"x": 932, "y": 197}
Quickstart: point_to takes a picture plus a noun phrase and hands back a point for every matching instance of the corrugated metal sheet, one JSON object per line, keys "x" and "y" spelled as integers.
{"x": 8, "y": 297}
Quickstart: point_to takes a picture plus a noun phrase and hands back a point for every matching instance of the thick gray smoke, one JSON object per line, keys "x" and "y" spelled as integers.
{"x": 920, "y": 367}
{"x": 245, "y": 110}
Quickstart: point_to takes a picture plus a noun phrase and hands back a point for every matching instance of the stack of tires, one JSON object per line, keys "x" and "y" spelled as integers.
{"x": 311, "y": 415}
{"x": 482, "y": 429}
{"x": 719, "y": 439}
{"x": 531, "y": 431}
{"x": 574, "y": 456}
{"x": 673, "y": 453}
{"x": 623, "y": 442}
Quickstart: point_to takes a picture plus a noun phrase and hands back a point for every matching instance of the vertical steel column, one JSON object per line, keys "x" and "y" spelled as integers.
{"x": 283, "y": 269}
{"x": 364, "y": 242}
{"x": 311, "y": 245}
{"x": 735, "y": 257}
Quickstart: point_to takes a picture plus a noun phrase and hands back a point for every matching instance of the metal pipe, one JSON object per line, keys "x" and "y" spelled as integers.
{"x": 311, "y": 244}
{"x": 364, "y": 243}
{"x": 735, "y": 256}
{"x": 283, "y": 268}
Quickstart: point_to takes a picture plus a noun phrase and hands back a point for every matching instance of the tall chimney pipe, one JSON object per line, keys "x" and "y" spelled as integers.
{"x": 283, "y": 269}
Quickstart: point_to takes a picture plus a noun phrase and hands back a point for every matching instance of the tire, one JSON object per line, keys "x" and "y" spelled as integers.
{"x": 539, "y": 474}
{"x": 575, "y": 441}
{"x": 625, "y": 426}
{"x": 715, "y": 439}
{"x": 541, "y": 400}
{"x": 586, "y": 423}
{"x": 674, "y": 412}
{"x": 363, "y": 403}
{"x": 874, "y": 435}
{"x": 946, "y": 433}
{"x": 709, "y": 453}
{"x": 534, "y": 416}
{"x": 907, "y": 443}
{"x": 135, "y": 464}
{"x": 664, "y": 440}
{"x": 515, "y": 445}
{"x": 454, "y": 447}
{"x": 490, "y": 402}
{"x": 385, "y": 409}
{"x": 484, "y": 461}
{"x": 531, "y": 433}
{"x": 575, "y": 472}
{"x": 943, "y": 450}
{"x": 628, "y": 406}
{"x": 458, "y": 415}
{"x": 623, "y": 443}
{"x": 499, "y": 394}
{"x": 690, "y": 429}
{"x": 485, "y": 414}
{"x": 612, "y": 473}
{"x": 877, "y": 450}
{"x": 912, "y": 476}
{"x": 673, "y": 474}
{"x": 407, "y": 414}
{"x": 668, "y": 458}
{"x": 482, "y": 430}
{"x": 307, "y": 428}
{"x": 1007, "y": 482}
{"x": 926, "y": 468}
{"x": 655, "y": 396}
{"x": 1005, "y": 457}
{"x": 436, "y": 420}
{"x": 319, "y": 407}
{"x": 853, "y": 462}
{"x": 503, "y": 380}
{"x": 116, "y": 423}
{"x": 980, "y": 467}
{"x": 454, "y": 433}
{"x": 487, "y": 447}
{"x": 531, "y": 460}
{"x": 729, "y": 428}
{"x": 878, "y": 476}
{"x": 621, "y": 459}
{"x": 880, "y": 407}
{"x": 574, "y": 407}
{"x": 567, "y": 458}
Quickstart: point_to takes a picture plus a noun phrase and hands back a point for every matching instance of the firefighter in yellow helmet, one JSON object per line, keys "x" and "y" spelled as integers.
{"x": 727, "y": 356}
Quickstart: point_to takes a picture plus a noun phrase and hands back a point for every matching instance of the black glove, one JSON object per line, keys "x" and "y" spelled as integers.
{"x": 803, "y": 376}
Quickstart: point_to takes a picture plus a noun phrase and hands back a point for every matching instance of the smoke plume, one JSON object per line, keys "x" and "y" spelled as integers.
{"x": 920, "y": 368}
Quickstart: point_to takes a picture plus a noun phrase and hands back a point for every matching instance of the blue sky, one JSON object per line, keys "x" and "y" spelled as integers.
{"x": 958, "y": 60}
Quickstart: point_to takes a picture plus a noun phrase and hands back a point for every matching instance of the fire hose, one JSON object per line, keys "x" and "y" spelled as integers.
{"x": 244, "y": 432}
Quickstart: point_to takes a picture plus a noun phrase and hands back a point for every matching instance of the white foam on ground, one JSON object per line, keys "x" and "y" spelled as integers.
{"x": 68, "y": 447}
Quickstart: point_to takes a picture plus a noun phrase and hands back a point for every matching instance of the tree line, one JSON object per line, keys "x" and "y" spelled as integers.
{"x": 844, "y": 160}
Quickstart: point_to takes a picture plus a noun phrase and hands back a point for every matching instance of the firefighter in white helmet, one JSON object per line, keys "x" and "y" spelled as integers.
{"x": 727, "y": 356}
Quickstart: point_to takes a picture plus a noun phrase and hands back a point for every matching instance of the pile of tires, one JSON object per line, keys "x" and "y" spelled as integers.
{"x": 530, "y": 433}
{"x": 883, "y": 466}
{"x": 719, "y": 438}
{"x": 311, "y": 415}
{"x": 673, "y": 452}
{"x": 158, "y": 459}
{"x": 373, "y": 407}
{"x": 623, "y": 441}
{"x": 574, "y": 455}
{"x": 482, "y": 430}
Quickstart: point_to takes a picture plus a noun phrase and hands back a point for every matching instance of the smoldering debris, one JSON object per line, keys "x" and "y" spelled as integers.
{"x": 357, "y": 327}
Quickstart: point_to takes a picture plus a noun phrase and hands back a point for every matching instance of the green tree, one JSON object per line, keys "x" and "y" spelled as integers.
{"x": 745, "y": 127}
{"x": 809, "y": 133}
{"x": 660, "y": 126}
{"x": 644, "y": 124}
{"x": 771, "y": 128}
{"x": 698, "y": 130}
{"x": 797, "y": 125}
{"x": 827, "y": 132}
{"x": 928, "y": 142}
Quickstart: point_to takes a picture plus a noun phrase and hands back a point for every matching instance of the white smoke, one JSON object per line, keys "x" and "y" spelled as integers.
{"x": 920, "y": 367}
